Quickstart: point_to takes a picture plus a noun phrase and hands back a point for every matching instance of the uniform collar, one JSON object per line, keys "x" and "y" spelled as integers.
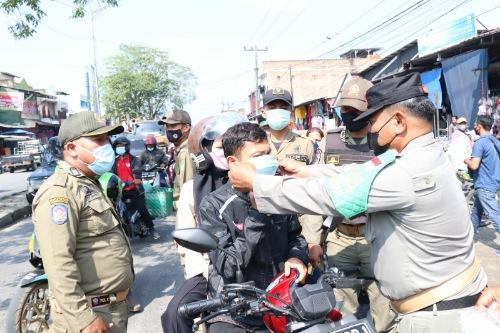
{"x": 67, "y": 168}
{"x": 289, "y": 137}
{"x": 182, "y": 146}
{"x": 421, "y": 141}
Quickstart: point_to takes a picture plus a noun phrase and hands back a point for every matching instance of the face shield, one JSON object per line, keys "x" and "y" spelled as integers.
{"x": 213, "y": 130}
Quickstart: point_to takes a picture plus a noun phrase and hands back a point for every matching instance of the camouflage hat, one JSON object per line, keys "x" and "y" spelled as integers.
{"x": 176, "y": 117}
{"x": 84, "y": 124}
{"x": 354, "y": 93}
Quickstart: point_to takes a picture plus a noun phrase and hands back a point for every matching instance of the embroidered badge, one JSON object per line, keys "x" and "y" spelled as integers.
{"x": 59, "y": 214}
{"x": 58, "y": 200}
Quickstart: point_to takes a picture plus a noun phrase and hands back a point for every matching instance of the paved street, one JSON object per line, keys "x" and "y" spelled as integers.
{"x": 13, "y": 182}
{"x": 156, "y": 265}
{"x": 158, "y": 271}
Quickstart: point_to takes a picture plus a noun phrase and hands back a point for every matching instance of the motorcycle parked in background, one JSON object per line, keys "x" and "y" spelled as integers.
{"x": 29, "y": 310}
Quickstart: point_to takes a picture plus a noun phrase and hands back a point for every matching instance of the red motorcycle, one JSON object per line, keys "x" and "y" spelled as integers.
{"x": 285, "y": 306}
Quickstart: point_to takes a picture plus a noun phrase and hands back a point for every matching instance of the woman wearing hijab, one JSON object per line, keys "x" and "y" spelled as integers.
{"x": 205, "y": 147}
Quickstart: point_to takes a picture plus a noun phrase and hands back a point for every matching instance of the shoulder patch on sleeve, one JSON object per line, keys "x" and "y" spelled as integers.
{"x": 59, "y": 213}
{"x": 56, "y": 200}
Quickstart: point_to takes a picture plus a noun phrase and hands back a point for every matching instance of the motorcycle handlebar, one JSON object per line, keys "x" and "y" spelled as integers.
{"x": 194, "y": 308}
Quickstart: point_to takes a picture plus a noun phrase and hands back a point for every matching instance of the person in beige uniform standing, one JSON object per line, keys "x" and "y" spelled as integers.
{"x": 278, "y": 111}
{"x": 178, "y": 124}
{"x": 347, "y": 247}
{"x": 86, "y": 253}
{"x": 418, "y": 225}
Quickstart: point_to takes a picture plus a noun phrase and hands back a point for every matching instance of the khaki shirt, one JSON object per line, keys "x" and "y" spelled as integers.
{"x": 194, "y": 263}
{"x": 301, "y": 149}
{"x": 295, "y": 147}
{"x": 418, "y": 221}
{"x": 84, "y": 248}
{"x": 184, "y": 169}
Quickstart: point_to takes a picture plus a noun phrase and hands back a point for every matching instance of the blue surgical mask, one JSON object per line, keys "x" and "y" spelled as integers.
{"x": 120, "y": 150}
{"x": 278, "y": 118}
{"x": 265, "y": 165}
{"x": 104, "y": 159}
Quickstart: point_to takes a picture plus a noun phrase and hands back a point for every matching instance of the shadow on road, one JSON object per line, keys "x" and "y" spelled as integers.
{"x": 158, "y": 271}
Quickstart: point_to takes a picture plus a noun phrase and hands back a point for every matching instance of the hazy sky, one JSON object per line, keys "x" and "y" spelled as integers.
{"x": 209, "y": 37}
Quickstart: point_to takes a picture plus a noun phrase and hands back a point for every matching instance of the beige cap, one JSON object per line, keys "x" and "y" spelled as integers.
{"x": 354, "y": 93}
{"x": 461, "y": 120}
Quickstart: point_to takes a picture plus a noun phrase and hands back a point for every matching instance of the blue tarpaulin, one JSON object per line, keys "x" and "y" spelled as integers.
{"x": 430, "y": 80}
{"x": 466, "y": 77}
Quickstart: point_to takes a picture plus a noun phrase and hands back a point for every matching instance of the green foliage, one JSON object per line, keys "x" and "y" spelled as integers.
{"x": 143, "y": 82}
{"x": 29, "y": 14}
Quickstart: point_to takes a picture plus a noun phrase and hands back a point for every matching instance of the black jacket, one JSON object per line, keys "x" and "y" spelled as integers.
{"x": 261, "y": 242}
{"x": 157, "y": 156}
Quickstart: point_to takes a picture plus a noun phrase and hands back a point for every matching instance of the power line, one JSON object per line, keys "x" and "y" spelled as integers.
{"x": 291, "y": 23}
{"x": 387, "y": 22}
{"x": 262, "y": 21}
{"x": 273, "y": 22}
{"x": 427, "y": 23}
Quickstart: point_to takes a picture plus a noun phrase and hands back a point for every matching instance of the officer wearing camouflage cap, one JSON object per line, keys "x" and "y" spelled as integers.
{"x": 347, "y": 246}
{"x": 86, "y": 253}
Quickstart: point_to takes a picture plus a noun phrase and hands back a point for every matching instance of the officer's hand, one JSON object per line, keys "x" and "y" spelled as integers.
{"x": 291, "y": 167}
{"x": 137, "y": 181}
{"x": 299, "y": 266}
{"x": 315, "y": 254}
{"x": 97, "y": 326}
{"x": 241, "y": 175}
{"x": 490, "y": 300}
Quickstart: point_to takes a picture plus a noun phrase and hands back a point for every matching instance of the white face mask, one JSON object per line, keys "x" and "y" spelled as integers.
{"x": 265, "y": 165}
{"x": 462, "y": 127}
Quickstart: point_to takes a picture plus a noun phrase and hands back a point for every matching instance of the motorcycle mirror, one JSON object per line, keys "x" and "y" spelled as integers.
{"x": 196, "y": 239}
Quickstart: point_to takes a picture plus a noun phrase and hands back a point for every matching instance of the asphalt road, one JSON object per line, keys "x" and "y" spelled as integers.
{"x": 11, "y": 183}
{"x": 156, "y": 263}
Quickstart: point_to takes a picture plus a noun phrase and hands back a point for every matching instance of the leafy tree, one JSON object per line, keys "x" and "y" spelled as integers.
{"x": 143, "y": 82}
{"x": 30, "y": 14}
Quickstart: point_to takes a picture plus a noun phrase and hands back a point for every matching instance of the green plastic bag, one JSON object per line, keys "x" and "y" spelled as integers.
{"x": 159, "y": 201}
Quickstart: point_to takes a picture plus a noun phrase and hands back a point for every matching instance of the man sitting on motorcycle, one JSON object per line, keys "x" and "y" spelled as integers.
{"x": 133, "y": 193}
{"x": 264, "y": 244}
{"x": 152, "y": 155}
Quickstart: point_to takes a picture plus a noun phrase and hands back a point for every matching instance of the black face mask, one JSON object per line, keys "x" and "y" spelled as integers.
{"x": 373, "y": 141}
{"x": 350, "y": 124}
{"x": 174, "y": 135}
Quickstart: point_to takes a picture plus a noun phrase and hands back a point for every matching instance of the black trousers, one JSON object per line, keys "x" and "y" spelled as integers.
{"x": 136, "y": 200}
{"x": 192, "y": 290}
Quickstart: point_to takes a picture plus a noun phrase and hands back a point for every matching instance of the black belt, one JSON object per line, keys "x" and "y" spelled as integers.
{"x": 459, "y": 303}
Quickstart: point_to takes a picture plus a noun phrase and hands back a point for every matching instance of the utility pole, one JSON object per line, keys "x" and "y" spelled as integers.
{"x": 291, "y": 85}
{"x": 97, "y": 95}
{"x": 257, "y": 90}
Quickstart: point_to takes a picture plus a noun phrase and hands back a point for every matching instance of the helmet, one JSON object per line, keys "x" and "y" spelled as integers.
{"x": 122, "y": 140}
{"x": 195, "y": 135}
{"x": 112, "y": 187}
{"x": 150, "y": 140}
{"x": 281, "y": 285}
{"x": 214, "y": 128}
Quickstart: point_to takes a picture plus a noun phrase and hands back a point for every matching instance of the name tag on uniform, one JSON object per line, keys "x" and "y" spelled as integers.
{"x": 298, "y": 157}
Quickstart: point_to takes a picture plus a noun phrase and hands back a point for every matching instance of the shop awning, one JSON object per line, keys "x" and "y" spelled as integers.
{"x": 466, "y": 77}
{"x": 17, "y": 131}
{"x": 41, "y": 123}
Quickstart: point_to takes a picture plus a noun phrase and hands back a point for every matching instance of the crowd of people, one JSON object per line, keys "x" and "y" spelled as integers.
{"x": 264, "y": 192}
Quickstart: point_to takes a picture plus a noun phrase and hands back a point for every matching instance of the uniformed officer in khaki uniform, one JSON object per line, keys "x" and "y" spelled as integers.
{"x": 418, "y": 225}
{"x": 178, "y": 125}
{"x": 287, "y": 144}
{"x": 86, "y": 253}
{"x": 347, "y": 247}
